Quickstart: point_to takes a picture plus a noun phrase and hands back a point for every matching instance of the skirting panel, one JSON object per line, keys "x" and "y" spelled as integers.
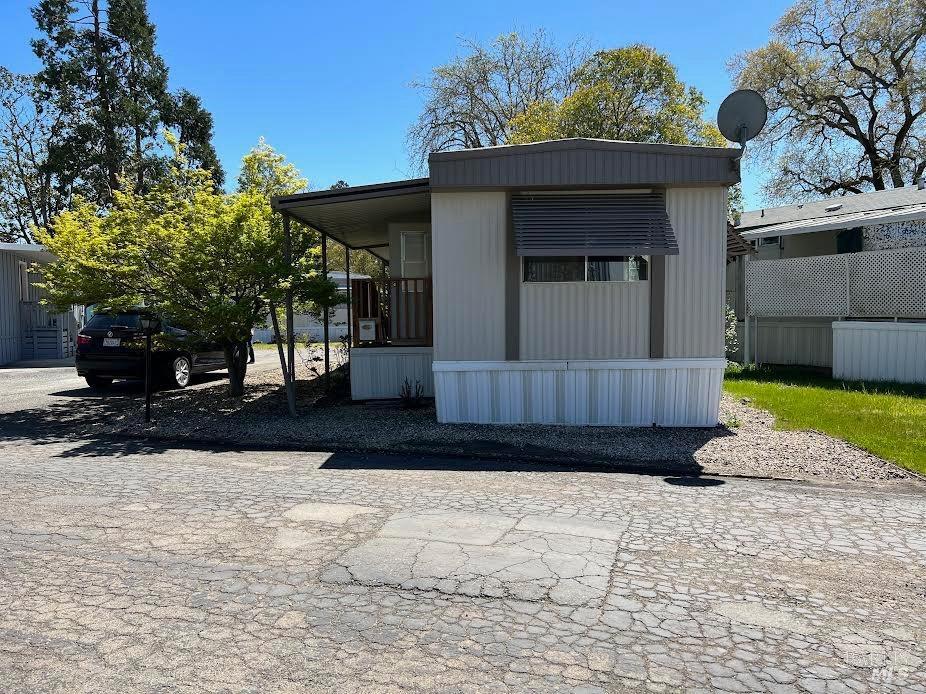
{"x": 622, "y": 392}
{"x": 378, "y": 373}
{"x": 879, "y": 351}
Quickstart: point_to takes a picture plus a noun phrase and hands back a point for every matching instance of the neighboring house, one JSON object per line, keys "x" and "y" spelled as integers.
{"x": 837, "y": 283}
{"x": 307, "y": 326}
{"x": 573, "y": 282}
{"x": 27, "y": 330}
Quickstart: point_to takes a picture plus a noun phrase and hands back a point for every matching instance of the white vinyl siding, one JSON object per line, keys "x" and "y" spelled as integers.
{"x": 694, "y": 298}
{"x": 584, "y": 320}
{"x": 468, "y": 240}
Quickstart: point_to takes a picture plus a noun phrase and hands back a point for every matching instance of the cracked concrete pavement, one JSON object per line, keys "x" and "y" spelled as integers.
{"x": 127, "y": 567}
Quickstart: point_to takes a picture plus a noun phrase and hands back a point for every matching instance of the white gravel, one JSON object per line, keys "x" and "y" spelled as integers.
{"x": 753, "y": 448}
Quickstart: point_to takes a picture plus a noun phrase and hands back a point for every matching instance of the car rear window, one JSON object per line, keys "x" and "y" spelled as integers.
{"x": 103, "y": 321}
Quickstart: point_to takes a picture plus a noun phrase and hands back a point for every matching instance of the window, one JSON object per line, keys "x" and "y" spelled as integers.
{"x": 554, "y": 269}
{"x": 415, "y": 254}
{"x": 104, "y": 321}
{"x": 615, "y": 268}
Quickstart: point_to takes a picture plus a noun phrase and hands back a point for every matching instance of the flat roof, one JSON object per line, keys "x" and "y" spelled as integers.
{"x": 583, "y": 163}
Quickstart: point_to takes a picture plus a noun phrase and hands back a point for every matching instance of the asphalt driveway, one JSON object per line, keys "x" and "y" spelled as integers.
{"x": 131, "y": 567}
{"x": 28, "y": 388}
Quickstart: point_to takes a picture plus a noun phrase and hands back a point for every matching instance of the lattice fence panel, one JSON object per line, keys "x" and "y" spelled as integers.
{"x": 814, "y": 286}
{"x": 888, "y": 283}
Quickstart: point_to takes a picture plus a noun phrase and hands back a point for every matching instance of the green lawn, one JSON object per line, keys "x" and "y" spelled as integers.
{"x": 887, "y": 419}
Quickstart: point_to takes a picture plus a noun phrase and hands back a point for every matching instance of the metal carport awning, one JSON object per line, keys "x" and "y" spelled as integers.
{"x": 358, "y": 217}
{"x": 599, "y": 224}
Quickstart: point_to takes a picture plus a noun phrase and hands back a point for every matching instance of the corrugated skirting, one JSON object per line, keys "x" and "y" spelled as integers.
{"x": 623, "y": 392}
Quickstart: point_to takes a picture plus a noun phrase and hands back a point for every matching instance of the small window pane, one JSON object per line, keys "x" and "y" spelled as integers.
{"x": 554, "y": 269}
{"x": 618, "y": 268}
{"x": 413, "y": 246}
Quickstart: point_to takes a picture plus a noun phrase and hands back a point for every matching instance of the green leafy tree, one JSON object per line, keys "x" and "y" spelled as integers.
{"x": 213, "y": 261}
{"x": 845, "y": 81}
{"x": 631, "y": 93}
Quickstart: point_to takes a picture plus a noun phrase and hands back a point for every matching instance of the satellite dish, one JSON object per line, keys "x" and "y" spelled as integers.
{"x": 742, "y": 116}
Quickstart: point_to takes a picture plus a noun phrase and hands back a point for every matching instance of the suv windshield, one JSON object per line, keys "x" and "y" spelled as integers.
{"x": 104, "y": 321}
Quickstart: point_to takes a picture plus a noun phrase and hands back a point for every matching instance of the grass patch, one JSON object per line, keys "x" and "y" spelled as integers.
{"x": 887, "y": 419}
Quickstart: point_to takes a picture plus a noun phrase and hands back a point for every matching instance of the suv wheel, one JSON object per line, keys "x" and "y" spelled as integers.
{"x": 181, "y": 371}
{"x": 98, "y": 381}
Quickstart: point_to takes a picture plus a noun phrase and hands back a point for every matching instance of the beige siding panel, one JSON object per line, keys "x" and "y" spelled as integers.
{"x": 630, "y": 392}
{"x": 584, "y": 320}
{"x": 695, "y": 277}
{"x": 468, "y": 247}
{"x": 879, "y": 351}
{"x": 379, "y": 373}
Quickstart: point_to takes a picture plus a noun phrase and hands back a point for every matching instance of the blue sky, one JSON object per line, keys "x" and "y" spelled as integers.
{"x": 328, "y": 83}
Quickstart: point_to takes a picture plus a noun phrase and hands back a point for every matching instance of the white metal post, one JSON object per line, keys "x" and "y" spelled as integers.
{"x": 746, "y": 341}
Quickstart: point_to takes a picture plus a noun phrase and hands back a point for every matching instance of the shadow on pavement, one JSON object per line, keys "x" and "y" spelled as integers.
{"x": 92, "y": 422}
{"x": 556, "y": 461}
{"x": 694, "y": 481}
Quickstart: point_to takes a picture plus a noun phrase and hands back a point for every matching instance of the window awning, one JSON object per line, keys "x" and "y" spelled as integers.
{"x": 592, "y": 224}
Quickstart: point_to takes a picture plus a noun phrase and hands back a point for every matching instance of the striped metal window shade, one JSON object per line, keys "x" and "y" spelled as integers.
{"x": 592, "y": 224}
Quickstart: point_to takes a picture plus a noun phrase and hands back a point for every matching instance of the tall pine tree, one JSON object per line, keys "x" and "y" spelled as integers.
{"x": 100, "y": 67}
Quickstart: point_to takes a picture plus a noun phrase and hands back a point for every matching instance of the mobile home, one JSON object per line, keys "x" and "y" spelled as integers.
{"x": 572, "y": 281}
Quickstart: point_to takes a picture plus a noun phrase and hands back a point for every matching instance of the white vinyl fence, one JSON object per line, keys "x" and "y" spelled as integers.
{"x": 870, "y": 284}
{"x": 879, "y": 351}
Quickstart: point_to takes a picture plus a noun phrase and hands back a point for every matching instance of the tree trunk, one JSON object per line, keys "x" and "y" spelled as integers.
{"x": 109, "y": 133}
{"x": 287, "y": 380}
{"x": 236, "y": 360}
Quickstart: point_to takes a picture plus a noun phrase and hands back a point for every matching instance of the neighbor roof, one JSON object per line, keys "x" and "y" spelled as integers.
{"x": 880, "y": 200}
{"x": 839, "y": 221}
{"x": 34, "y": 252}
{"x": 583, "y": 162}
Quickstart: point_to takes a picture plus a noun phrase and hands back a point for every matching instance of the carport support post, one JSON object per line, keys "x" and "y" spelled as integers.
{"x": 326, "y": 309}
{"x": 290, "y": 338}
{"x": 350, "y": 318}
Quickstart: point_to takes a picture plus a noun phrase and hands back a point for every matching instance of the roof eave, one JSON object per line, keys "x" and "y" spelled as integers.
{"x": 351, "y": 194}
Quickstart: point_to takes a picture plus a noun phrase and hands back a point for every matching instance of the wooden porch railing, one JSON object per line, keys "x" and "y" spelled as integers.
{"x": 401, "y": 308}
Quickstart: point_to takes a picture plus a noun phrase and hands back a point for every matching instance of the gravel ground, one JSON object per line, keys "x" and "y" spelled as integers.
{"x": 752, "y": 447}
{"x": 51, "y": 403}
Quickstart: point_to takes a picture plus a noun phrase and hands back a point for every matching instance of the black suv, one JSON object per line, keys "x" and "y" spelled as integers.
{"x": 112, "y": 345}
